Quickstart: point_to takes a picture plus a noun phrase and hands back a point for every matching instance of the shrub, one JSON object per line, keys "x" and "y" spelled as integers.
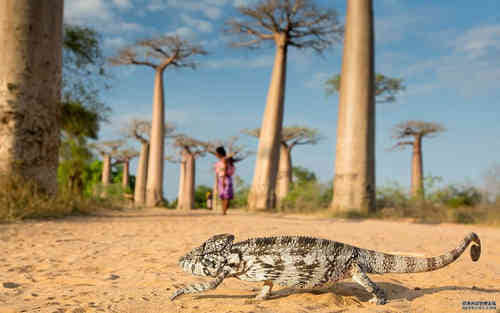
{"x": 21, "y": 199}
{"x": 307, "y": 197}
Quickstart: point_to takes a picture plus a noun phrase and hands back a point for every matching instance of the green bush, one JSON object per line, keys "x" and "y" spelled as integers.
{"x": 307, "y": 197}
{"x": 456, "y": 196}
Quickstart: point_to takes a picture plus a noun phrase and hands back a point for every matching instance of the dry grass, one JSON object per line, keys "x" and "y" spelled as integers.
{"x": 21, "y": 199}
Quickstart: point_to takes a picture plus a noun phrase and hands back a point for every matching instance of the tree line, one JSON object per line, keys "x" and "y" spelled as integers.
{"x": 70, "y": 103}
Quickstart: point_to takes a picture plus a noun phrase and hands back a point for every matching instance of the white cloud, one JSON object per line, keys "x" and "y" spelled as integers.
{"x": 210, "y": 8}
{"x": 123, "y": 4}
{"x": 318, "y": 80}
{"x": 201, "y": 25}
{"x": 479, "y": 41}
{"x": 183, "y": 32}
{"x": 76, "y": 11}
{"x": 99, "y": 13}
{"x": 262, "y": 61}
{"x": 114, "y": 42}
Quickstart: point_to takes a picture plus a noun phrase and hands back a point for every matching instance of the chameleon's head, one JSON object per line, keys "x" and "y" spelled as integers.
{"x": 209, "y": 258}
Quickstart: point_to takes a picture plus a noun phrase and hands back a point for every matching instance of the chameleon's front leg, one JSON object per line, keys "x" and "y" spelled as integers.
{"x": 195, "y": 288}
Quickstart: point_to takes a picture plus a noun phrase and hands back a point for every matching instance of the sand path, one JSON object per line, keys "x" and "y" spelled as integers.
{"x": 127, "y": 262}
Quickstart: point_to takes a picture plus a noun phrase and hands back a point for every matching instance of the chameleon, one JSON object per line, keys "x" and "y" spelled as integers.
{"x": 304, "y": 262}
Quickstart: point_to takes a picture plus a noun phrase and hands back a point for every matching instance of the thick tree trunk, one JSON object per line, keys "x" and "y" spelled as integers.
{"x": 262, "y": 194}
{"x": 126, "y": 175}
{"x": 182, "y": 176}
{"x": 417, "y": 178}
{"x": 216, "y": 202}
{"x": 187, "y": 200}
{"x": 106, "y": 170}
{"x": 30, "y": 89}
{"x": 284, "y": 181}
{"x": 141, "y": 175}
{"x": 354, "y": 182}
{"x": 154, "y": 189}
{"x": 106, "y": 174}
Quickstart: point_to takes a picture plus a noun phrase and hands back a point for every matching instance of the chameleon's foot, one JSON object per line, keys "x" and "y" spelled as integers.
{"x": 361, "y": 278}
{"x": 378, "y": 300}
{"x": 177, "y": 293}
{"x": 265, "y": 291}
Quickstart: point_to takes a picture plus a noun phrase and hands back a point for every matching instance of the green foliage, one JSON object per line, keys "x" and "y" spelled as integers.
{"x": 200, "y": 196}
{"x": 456, "y": 196}
{"x": 241, "y": 191}
{"x": 392, "y": 195}
{"x": 302, "y": 175}
{"x": 84, "y": 72}
{"x": 306, "y": 194}
{"x": 386, "y": 88}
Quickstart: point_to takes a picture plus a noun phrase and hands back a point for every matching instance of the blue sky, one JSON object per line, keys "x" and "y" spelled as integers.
{"x": 446, "y": 51}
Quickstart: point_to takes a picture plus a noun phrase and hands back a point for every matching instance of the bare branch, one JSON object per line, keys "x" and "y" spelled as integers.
{"x": 293, "y": 135}
{"x": 300, "y": 21}
{"x": 189, "y": 145}
{"x": 401, "y": 145}
{"x": 159, "y": 53}
{"x": 109, "y": 147}
{"x": 140, "y": 129}
{"x": 125, "y": 155}
{"x": 238, "y": 152}
{"x": 417, "y": 128}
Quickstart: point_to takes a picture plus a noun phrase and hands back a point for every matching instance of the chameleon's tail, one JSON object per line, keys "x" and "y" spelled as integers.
{"x": 389, "y": 263}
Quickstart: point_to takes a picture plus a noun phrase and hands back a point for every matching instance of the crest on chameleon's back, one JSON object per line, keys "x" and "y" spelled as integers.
{"x": 209, "y": 258}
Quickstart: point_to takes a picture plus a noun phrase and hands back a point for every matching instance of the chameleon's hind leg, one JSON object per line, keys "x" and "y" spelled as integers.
{"x": 361, "y": 278}
{"x": 265, "y": 292}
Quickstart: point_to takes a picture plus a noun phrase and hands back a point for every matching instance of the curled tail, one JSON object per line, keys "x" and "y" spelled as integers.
{"x": 377, "y": 262}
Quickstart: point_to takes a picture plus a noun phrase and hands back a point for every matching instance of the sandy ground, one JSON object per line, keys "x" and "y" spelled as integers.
{"x": 127, "y": 262}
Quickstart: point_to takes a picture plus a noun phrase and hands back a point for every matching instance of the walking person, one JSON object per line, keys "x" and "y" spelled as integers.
{"x": 224, "y": 170}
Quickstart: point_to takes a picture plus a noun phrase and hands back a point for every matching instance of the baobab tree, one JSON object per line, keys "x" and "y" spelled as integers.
{"x": 190, "y": 149}
{"x": 417, "y": 130}
{"x": 158, "y": 53}
{"x": 140, "y": 129}
{"x": 237, "y": 152}
{"x": 31, "y": 33}
{"x": 107, "y": 149}
{"x": 290, "y": 138}
{"x": 386, "y": 88}
{"x": 354, "y": 182}
{"x": 286, "y": 23}
{"x": 124, "y": 156}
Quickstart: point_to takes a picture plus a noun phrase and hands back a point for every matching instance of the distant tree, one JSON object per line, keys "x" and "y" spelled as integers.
{"x": 286, "y": 23}
{"x": 123, "y": 156}
{"x": 169, "y": 51}
{"x": 417, "y": 130}
{"x": 291, "y": 137}
{"x": 107, "y": 149}
{"x": 189, "y": 149}
{"x": 140, "y": 129}
{"x": 386, "y": 88}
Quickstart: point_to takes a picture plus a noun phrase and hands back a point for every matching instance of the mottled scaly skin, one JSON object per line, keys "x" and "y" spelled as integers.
{"x": 294, "y": 261}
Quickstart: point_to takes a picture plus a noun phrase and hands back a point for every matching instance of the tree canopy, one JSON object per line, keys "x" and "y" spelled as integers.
{"x": 302, "y": 24}
{"x": 386, "y": 88}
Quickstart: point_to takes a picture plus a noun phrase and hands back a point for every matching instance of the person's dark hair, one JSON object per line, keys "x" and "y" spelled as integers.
{"x": 221, "y": 151}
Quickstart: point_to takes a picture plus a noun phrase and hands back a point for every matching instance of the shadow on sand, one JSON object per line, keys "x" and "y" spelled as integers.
{"x": 394, "y": 292}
